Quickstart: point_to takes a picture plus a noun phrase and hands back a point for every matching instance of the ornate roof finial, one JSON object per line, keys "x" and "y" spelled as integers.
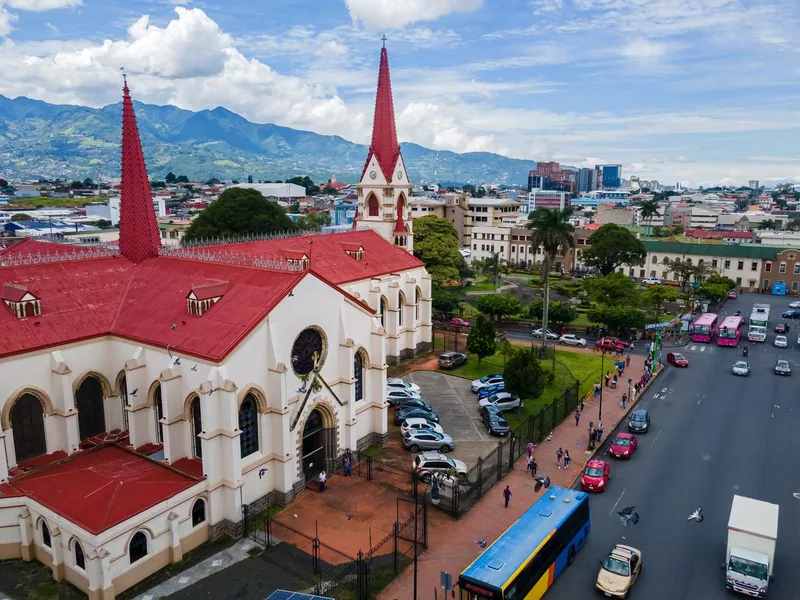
{"x": 125, "y": 90}
{"x": 383, "y": 39}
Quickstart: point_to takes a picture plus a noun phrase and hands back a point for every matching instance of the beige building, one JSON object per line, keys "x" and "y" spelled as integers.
{"x": 619, "y": 215}
{"x": 453, "y": 207}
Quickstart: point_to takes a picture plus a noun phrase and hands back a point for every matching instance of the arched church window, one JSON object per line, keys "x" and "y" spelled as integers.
{"x": 401, "y": 306}
{"x": 46, "y": 535}
{"x": 138, "y": 547}
{"x": 248, "y": 425}
{"x": 372, "y": 206}
{"x": 358, "y": 374}
{"x": 197, "y": 427}
{"x": 158, "y": 413}
{"x": 80, "y": 559}
{"x": 198, "y": 512}
{"x": 417, "y": 300}
{"x": 383, "y": 309}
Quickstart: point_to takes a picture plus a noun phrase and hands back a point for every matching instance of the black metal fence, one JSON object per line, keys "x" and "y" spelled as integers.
{"x": 386, "y": 474}
{"x": 492, "y": 467}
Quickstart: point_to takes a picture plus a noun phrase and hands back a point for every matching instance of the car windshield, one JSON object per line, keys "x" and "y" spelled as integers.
{"x": 701, "y": 329}
{"x": 499, "y": 421}
{"x": 679, "y": 357}
{"x": 726, "y": 333}
{"x": 617, "y": 566}
{"x": 741, "y": 365}
{"x": 594, "y": 472}
{"x": 783, "y": 364}
{"x": 452, "y": 463}
{"x": 748, "y": 568}
{"x": 780, "y": 338}
{"x": 622, "y": 441}
{"x": 638, "y": 417}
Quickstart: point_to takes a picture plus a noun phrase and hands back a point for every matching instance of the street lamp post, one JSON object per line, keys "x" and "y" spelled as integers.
{"x": 602, "y": 383}
{"x": 435, "y": 499}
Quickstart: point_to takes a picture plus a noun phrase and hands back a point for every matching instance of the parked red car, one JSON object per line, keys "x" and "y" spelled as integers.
{"x": 623, "y": 445}
{"x": 679, "y": 360}
{"x": 595, "y": 476}
{"x": 611, "y": 343}
{"x": 458, "y": 322}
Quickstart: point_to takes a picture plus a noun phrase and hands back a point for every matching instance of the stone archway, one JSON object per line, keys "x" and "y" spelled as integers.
{"x": 319, "y": 442}
{"x": 89, "y": 400}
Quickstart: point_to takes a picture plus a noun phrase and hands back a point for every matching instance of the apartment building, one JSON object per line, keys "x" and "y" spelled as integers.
{"x": 453, "y": 207}
{"x": 785, "y": 268}
{"x": 742, "y": 263}
{"x": 617, "y": 214}
{"x": 489, "y": 212}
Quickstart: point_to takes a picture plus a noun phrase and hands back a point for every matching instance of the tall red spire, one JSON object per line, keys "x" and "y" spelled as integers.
{"x": 384, "y": 133}
{"x": 138, "y": 230}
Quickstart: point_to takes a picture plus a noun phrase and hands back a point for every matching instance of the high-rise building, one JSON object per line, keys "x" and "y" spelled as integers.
{"x": 550, "y": 176}
{"x": 753, "y": 183}
{"x": 608, "y": 176}
{"x": 585, "y": 180}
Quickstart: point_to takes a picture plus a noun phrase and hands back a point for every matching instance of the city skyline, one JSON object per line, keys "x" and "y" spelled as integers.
{"x": 698, "y": 92}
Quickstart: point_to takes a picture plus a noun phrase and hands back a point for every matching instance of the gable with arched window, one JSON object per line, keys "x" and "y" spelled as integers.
{"x": 359, "y": 367}
{"x": 248, "y": 425}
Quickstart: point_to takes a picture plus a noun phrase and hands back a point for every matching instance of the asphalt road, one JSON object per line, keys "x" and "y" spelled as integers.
{"x": 712, "y": 435}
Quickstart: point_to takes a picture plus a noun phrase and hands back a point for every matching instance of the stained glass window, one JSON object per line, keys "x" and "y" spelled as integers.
{"x": 248, "y": 425}
{"x": 197, "y": 428}
{"x": 307, "y": 351}
{"x": 358, "y": 373}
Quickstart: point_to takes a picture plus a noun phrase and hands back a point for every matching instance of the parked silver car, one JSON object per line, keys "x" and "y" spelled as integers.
{"x": 570, "y": 339}
{"x": 428, "y": 440}
{"x": 434, "y": 462}
{"x": 395, "y": 396}
{"x": 502, "y": 400}
{"x": 780, "y": 341}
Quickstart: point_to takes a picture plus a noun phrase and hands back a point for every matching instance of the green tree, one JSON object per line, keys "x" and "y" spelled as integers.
{"x": 647, "y": 210}
{"x": 170, "y": 177}
{"x": 615, "y": 289}
{"x": 766, "y": 224}
{"x": 683, "y": 270}
{"x": 21, "y": 217}
{"x": 560, "y": 313}
{"x": 612, "y": 246}
{"x": 436, "y": 244}
{"x": 490, "y": 267}
{"x": 718, "y": 279}
{"x": 239, "y": 211}
{"x": 498, "y": 306}
{"x": 655, "y": 296}
{"x": 444, "y": 300}
{"x": 305, "y": 181}
{"x": 330, "y": 190}
{"x": 181, "y": 179}
{"x": 480, "y": 192}
{"x": 88, "y": 183}
{"x": 469, "y": 189}
{"x": 157, "y": 185}
{"x": 713, "y": 291}
{"x": 792, "y": 225}
{"x": 617, "y": 318}
{"x": 213, "y": 181}
{"x": 3, "y": 183}
{"x": 524, "y": 374}
{"x": 551, "y": 231}
{"x": 481, "y": 339}
{"x": 314, "y": 221}
{"x": 103, "y": 223}
{"x": 742, "y": 204}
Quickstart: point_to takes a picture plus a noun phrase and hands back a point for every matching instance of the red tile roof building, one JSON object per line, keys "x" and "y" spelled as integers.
{"x": 148, "y": 393}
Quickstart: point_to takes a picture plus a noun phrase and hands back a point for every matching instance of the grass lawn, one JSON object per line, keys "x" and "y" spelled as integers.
{"x": 584, "y": 367}
{"x": 482, "y": 284}
{"x": 66, "y": 202}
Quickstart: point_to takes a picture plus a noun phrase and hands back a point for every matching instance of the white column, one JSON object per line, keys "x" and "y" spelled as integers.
{"x": 175, "y": 537}
{"x": 172, "y": 405}
{"x": 26, "y": 534}
{"x": 57, "y": 548}
{"x": 3, "y": 459}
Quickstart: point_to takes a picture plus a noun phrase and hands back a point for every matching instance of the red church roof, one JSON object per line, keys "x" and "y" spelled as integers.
{"x": 138, "y": 235}
{"x": 98, "y": 489}
{"x": 384, "y": 144}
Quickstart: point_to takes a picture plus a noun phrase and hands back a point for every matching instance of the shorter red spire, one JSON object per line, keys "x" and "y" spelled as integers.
{"x": 138, "y": 229}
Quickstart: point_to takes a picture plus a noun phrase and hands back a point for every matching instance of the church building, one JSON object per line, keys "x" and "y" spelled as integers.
{"x": 150, "y": 396}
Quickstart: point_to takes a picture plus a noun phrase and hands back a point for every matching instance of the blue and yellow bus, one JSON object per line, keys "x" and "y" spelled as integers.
{"x": 523, "y": 562}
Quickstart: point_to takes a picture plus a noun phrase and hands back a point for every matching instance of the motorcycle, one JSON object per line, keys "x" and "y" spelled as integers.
{"x": 745, "y": 351}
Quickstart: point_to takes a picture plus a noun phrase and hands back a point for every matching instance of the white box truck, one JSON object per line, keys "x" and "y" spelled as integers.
{"x": 752, "y": 536}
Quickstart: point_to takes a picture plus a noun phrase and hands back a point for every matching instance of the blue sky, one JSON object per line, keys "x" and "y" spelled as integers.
{"x": 697, "y": 91}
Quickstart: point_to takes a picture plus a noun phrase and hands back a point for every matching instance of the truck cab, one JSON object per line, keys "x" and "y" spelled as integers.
{"x": 752, "y": 537}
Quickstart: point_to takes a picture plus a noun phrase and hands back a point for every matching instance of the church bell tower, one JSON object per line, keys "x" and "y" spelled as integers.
{"x": 384, "y": 189}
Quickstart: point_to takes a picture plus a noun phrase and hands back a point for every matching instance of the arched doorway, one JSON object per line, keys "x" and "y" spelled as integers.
{"x": 27, "y": 423}
{"x": 313, "y": 445}
{"x": 91, "y": 411}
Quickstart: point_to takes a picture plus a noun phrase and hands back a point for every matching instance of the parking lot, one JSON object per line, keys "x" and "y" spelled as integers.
{"x": 457, "y": 408}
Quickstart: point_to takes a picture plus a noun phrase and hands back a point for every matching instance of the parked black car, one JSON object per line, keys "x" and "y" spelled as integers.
{"x": 410, "y": 413}
{"x": 792, "y": 313}
{"x": 412, "y": 403}
{"x": 492, "y": 418}
{"x": 639, "y": 421}
{"x": 451, "y": 360}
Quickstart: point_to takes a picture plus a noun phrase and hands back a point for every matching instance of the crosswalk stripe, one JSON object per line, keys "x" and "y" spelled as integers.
{"x": 702, "y": 348}
{"x": 693, "y": 348}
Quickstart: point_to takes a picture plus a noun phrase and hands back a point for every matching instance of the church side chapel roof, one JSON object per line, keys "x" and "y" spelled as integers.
{"x": 138, "y": 291}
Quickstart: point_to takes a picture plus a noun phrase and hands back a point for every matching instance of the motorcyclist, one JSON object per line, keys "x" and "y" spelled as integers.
{"x": 738, "y": 313}
{"x": 745, "y": 351}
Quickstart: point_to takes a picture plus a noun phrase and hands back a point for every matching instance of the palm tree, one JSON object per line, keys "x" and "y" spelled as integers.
{"x": 767, "y": 224}
{"x": 490, "y": 266}
{"x": 648, "y": 209}
{"x": 551, "y": 231}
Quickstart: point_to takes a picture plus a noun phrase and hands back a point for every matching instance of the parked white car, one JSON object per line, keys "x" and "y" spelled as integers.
{"x": 484, "y": 381}
{"x": 780, "y": 341}
{"x": 569, "y": 339}
{"x": 502, "y": 400}
{"x": 651, "y": 281}
{"x": 795, "y": 304}
{"x": 394, "y": 396}
{"x": 396, "y": 382}
{"x": 551, "y": 335}
{"x": 415, "y": 424}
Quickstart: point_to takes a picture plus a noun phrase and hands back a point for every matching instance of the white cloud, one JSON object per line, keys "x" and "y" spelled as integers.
{"x": 41, "y": 5}
{"x": 6, "y": 19}
{"x": 642, "y": 49}
{"x": 396, "y": 14}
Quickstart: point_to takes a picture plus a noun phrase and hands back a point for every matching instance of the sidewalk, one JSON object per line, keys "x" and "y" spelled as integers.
{"x": 452, "y": 546}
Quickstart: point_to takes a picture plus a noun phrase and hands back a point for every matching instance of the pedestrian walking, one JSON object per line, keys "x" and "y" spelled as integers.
{"x": 577, "y": 417}
{"x": 624, "y": 400}
{"x": 567, "y": 459}
{"x": 599, "y": 431}
{"x": 322, "y": 479}
{"x": 507, "y": 494}
{"x": 628, "y": 360}
{"x": 534, "y": 467}
{"x": 593, "y": 437}
{"x": 530, "y": 449}
{"x": 582, "y": 404}
{"x": 559, "y": 456}
{"x": 608, "y": 377}
{"x": 529, "y": 459}
{"x": 596, "y": 390}
{"x": 346, "y": 464}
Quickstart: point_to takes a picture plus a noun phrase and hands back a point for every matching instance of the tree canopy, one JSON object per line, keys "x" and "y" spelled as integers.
{"x": 314, "y": 221}
{"x": 481, "y": 339}
{"x": 436, "y": 244}
{"x": 21, "y": 217}
{"x": 444, "y": 300}
{"x": 713, "y": 291}
{"x": 655, "y": 296}
{"x": 617, "y": 318}
{"x": 612, "y": 290}
{"x": 560, "y": 313}
{"x": 524, "y": 374}
{"x": 239, "y": 211}
{"x": 306, "y": 182}
{"x": 611, "y": 247}
{"x": 498, "y": 306}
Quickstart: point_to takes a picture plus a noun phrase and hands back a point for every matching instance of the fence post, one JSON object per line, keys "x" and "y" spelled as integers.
{"x": 499, "y": 461}
{"x": 396, "y": 549}
{"x": 315, "y": 548}
{"x": 268, "y": 527}
{"x": 245, "y": 521}
{"x": 424, "y": 525}
{"x": 511, "y": 451}
{"x": 369, "y": 468}
{"x": 553, "y": 415}
{"x": 480, "y": 475}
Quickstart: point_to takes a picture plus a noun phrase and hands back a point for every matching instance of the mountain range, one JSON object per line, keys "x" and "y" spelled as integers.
{"x": 38, "y": 139}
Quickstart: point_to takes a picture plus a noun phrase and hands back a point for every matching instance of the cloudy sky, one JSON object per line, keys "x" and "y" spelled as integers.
{"x": 696, "y": 91}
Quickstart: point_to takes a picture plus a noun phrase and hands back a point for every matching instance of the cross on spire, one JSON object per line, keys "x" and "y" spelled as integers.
{"x": 383, "y": 39}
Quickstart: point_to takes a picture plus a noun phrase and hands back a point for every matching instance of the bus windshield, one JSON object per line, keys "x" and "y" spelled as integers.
{"x": 532, "y": 552}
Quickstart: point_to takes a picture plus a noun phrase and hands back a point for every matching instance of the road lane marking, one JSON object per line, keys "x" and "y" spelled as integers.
{"x": 702, "y": 348}
{"x": 664, "y": 390}
{"x": 655, "y": 395}
{"x": 693, "y": 348}
{"x": 656, "y": 438}
{"x": 663, "y": 396}
{"x": 613, "y": 508}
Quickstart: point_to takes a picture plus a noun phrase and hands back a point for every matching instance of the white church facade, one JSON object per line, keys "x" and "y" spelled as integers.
{"x": 149, "y": 395}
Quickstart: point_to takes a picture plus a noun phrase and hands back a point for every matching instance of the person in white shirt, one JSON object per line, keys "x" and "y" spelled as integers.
{"x": 322, "y": 478}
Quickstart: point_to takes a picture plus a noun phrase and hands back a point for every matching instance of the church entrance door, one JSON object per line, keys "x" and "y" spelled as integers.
{"x": 91, "y": 409}
{"x": 313, "y": 446}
